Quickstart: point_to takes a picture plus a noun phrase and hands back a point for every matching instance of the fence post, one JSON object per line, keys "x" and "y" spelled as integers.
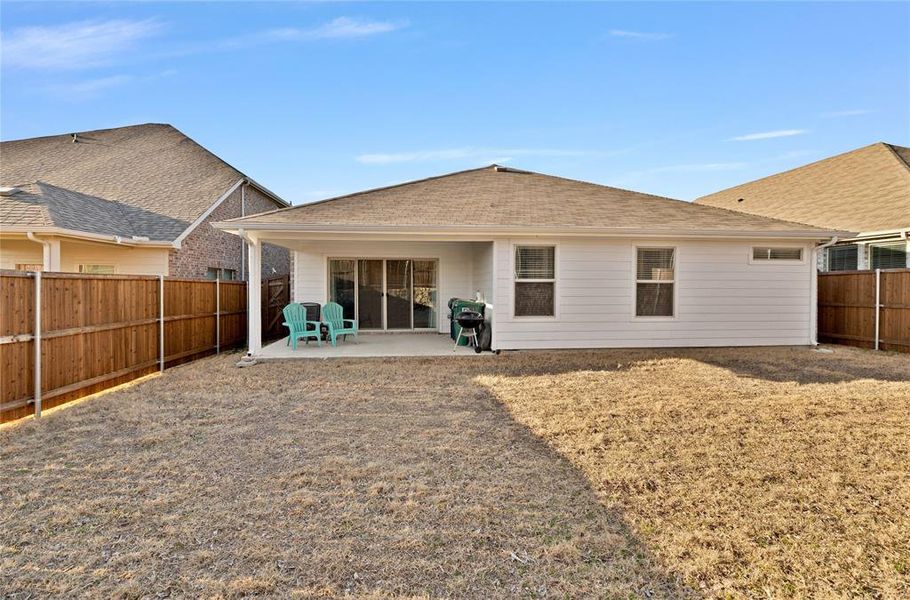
{"x": 161, "y": 322}
{"x": 878, "y": 306}
{"x": 37, "y": 342}
{"x": 217, "y": 315}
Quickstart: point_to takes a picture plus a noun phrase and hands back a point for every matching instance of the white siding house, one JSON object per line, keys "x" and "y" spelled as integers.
{"x": 560, "y": 263}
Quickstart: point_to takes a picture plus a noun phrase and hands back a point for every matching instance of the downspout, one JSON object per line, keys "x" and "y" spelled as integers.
{"x": 45, "y": 252}
{"x": 813, "y": 286}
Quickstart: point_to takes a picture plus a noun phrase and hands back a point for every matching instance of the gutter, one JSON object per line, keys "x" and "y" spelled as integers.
{"x": 232, "y": 226}
{"x": 84, "y": 235}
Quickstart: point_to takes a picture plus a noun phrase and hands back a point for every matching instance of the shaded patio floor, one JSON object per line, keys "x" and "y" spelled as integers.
{"x": 370, "y": 345}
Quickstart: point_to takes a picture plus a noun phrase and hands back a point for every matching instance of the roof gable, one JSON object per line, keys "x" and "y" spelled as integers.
{"x": 153, "y": 168}
{"x": 864, "y": 190}
{"x": 505, "y": 197}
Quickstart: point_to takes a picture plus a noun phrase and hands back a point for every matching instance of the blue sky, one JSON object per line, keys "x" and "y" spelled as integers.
{"x": 314, "y": 100}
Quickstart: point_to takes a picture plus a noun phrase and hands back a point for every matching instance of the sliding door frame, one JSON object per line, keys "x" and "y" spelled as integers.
{"x": 385, "y": 288}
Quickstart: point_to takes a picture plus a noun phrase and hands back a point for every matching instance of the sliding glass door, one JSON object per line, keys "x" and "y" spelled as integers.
{"x": 386, "y": 294}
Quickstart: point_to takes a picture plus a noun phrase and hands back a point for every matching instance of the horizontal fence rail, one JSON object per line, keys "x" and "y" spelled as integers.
{"x": 869, "y": 309}
{"x": 96, "y": 331}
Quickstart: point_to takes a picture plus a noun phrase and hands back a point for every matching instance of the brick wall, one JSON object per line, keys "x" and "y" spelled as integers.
{"x": 209, "y": 247}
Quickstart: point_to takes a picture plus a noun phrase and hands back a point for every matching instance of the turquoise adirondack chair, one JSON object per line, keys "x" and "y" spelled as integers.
{"x": 333, "y": 317}
{"x": 296, "y": 322}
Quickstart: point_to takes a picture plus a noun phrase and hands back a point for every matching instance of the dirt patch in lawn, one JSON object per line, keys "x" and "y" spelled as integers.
{"x": 772, "y": 473}
{"x": 606, "y": 474}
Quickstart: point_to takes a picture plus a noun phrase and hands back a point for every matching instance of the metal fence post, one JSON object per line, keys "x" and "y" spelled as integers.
{"x": 878, "y": 305}
{"x": 37, "y": 343}
{"x": 161, "y": 322}
{"x": 217, "y": 315}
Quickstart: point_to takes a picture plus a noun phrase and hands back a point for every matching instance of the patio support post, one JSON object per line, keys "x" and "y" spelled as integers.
{"x": 37, "y": 343}
{"x": 254, "y": 296}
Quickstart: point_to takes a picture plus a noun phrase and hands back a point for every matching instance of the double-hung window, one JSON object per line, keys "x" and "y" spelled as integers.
{"x": 655, "y": 280}
{"x": 535, "y": 281}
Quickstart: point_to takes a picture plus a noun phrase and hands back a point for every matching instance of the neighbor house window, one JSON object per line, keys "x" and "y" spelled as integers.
{"x": 29, "y": 267}
{"x": 655, "y": 279}
{"x": 888, "y": 256}
{"x": 222, "y": 274}
{"x": 766, "y": 253}
{"x": 535, "y": 281}
{"x": 843, "y": 258}
{"x": 97, "y": 269}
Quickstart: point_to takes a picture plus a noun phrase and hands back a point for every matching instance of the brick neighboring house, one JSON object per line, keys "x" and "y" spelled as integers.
{"x": 866, "y": 190}
{"x": 131, "y": 200}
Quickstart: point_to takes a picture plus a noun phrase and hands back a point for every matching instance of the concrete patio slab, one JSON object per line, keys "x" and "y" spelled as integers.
{"x": 370, "y": 345}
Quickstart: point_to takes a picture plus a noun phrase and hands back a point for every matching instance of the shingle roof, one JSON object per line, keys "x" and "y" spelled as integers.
{"x": 40, "y": 204}
{"x": 497, "y": 196}
{"x": 153, "y": 168}
{"x": 864, "y": 190}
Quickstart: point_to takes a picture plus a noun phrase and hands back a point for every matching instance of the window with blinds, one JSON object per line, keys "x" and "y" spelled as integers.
{"x": 97, "y": 269}
{"x": 888, "y": 256}
{"x": 535, "y": 281}
{"x": 842, "y": 258}
{"x": 765, "y": 253}
{"x": 655, "y": 280}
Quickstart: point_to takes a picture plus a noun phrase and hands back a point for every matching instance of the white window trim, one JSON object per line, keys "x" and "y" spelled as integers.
{"x": 555, "y": 281}
{"x": 777, "y": 261}
{"x": 636, "y": 281}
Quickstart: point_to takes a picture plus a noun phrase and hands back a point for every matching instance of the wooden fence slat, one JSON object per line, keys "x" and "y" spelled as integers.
{"x": 102, "y": 330}
{"x": 846, "y": 309}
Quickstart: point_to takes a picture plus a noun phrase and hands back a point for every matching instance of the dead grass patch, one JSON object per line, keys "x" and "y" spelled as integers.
{"x": 773, "y": 473}
{"x": 728, "y": 472}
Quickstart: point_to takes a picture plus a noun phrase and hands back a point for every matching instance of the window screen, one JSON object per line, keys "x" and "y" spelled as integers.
{"x": 843, "y": 258}
{"x": 889, "y": 256}
{"x": 535, "y": 281}
{"x": 655, "y": 282}
{"x": 767, "y": 253}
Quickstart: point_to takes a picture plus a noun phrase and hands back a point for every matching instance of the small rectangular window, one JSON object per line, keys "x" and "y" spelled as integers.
{"x": 97, "y": 269}
{"x": 889, "y": 256}
{"x": 655, "y": 280}
{"x": 223, "y": 274}
{"x": 843, "y": 258}
{"x": 535, "y": 281}
{"x": 763, "y": 253}
{"x": 29, "y": 267}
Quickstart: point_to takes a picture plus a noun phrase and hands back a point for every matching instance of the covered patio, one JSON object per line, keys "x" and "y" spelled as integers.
{"x": 370, "y": 345}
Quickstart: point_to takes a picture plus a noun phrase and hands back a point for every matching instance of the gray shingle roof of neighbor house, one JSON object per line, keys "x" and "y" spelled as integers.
{"x": 496, "y": 196}
{"x": 41, "y": 205}
{"x": 163, "y": 179}
{"x": 864, "y": 190}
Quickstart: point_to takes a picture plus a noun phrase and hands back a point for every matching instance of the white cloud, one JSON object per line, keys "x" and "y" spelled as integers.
{"x": 340, "y": 28}
{"x": 91, "y": 88}
{"x": 76, "y": 45}
{"x": 344, "y": 27}
{"x": 490, "y": 155}
{"x": 639, "y": 35}
{"x": 845, "y": 113}
{"x": 767, "y": 135}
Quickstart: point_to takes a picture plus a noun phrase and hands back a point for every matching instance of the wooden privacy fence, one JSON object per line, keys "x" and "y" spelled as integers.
{"x": 97, "y": 331}
{"x": 870, "y": 309}
{"x": 276, "y": 294}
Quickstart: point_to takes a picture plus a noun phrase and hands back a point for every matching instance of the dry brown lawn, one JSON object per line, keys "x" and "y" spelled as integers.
{"x": 744, "y": 473}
